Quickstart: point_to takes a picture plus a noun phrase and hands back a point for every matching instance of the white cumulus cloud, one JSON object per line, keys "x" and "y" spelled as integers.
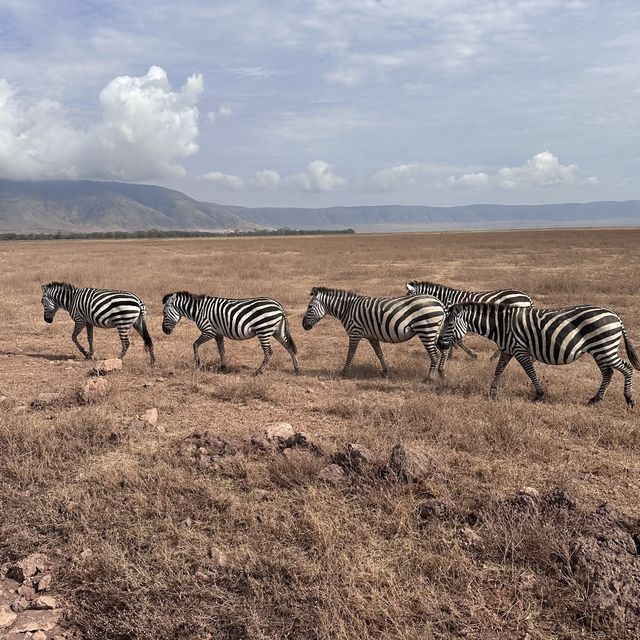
{"x": 318, "y": 176}
{"x": 225, "y": 181}
{"x": 469, "y": 180}
{"x": 222, "y": 111}
{"x": 543, "y": 170}
{"x": 144, "y": 130}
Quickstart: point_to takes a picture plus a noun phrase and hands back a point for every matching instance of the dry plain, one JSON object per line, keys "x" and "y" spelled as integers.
{"x": 129, "y": 519}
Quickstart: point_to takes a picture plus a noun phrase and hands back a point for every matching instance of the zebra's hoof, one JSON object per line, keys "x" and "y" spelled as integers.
{"x": 630, "y": 402}
{"x": 537, "y": 398}
{"x": 594, "y": 400}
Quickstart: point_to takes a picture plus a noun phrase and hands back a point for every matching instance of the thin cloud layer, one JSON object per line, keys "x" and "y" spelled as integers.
{"x": 318, "y": 176}
{"x": 144, "y": 130}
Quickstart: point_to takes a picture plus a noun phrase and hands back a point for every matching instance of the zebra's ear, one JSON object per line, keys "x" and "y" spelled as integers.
{"x": 410, "y": 287}
{"x": 44, "y": 288}
{"x": 314, "y": 291}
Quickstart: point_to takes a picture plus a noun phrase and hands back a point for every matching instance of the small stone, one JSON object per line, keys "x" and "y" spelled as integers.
{"x": 303, "y": 440}
{"x": 413, "y": 463}
{"x": 19, "y": 605}
{"x": 432, "y": 508}
{"x": 27, "y": 567}
{"x": 161, "y": 379}
{"x": 26, "y": 591}
{"x": 354, "y": 457}
{"x": 85, "y": 554}
{"x": 37, "y": 621}
{"x": 203, "y": 462}
{"x": 39, "y": 635}
{"x": 471, "y": 537}
{"x": 93, "y": 390}
{"x": 273, "y": 435}
{"x": 20, "y": 408}
{"x": 44, "y": 602}
{"x": 148, "y": 385}
{"x": 150, "y": 416}
{"x": 218, "y": 558}
{"x": 7, "y": 617}
{"x": 44, "y": 583}
{"x": 332, "y": 474}
{"x": 46, "y": 400}
{"x": 105, "y": 367}
{"x": 188, "y": 523}
{"x": 529, "y": 491}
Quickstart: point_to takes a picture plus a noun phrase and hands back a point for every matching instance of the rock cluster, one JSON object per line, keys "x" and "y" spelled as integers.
{"x": 27, "y": 609}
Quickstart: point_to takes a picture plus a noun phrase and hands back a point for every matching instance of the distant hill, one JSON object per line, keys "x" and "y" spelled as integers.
{"x": 85, "y": 205}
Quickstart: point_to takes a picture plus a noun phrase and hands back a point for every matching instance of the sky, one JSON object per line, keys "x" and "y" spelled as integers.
{"x": 327, "y": 102}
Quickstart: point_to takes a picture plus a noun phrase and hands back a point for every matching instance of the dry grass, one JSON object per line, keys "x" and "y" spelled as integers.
{"x": 307, "y": 560}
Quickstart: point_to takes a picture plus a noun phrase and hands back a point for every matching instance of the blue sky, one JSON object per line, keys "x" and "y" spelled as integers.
{"x": 327, "y": 102}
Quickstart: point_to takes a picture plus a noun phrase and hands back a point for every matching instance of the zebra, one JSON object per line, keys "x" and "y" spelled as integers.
{"x": 378, "y": 320}
{"x": 552, "y": 336}
{"x": 449, "y": 296}
{"x": 103, "y": 308}
{"x": 237, "y": 319}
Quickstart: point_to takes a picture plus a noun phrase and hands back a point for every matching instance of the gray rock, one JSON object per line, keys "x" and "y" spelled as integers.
{"x": 413, "y": 463}
{"x": 105, "y": 367}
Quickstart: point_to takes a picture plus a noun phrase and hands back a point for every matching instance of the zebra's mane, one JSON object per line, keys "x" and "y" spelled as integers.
{"x": 188, "y": 294}
{"x": 429, "y": 283}
{"x": 330, "y": 291}
{"x": 63, "y": 285}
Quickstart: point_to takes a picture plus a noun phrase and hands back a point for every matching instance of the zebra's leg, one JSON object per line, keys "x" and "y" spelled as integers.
{"x": 90, "y": 339}
{"x": 472, "y": 354}
{"x": 353, "y": 345}
{"x": 205, "y": 336}
{"x": 527, "y": 364}
{"x": 282, "y": 339}
{"x": 375, "y": 344}
{"x": 627, "y": 371}
{"x": 265, "y": 343}
{"x": 123, "y": 332}
{"x": 444, "y": 356}
{"x": 220, "y": 345}
{"x": 77, "y": 329}
{"x": 607, "y": 373}
{"x": 429, "y": 344}
{"x": 505, "y": 359}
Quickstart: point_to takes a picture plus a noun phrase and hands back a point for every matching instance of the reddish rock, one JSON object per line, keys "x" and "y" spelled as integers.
{"x": 27, "y": 591}
{"x": 44, "y": 602}
{"x": 150, "y": 416}
{"x": 274, "y": 435}
{"x": 413, "y": 463}
{"x": 93, "y": 390}
{"x": 27, "y": 567}
{"x": 7, "y": 617}
{"x": 44, "y": 584}
{"x": 332, "y": 474}
{"x": 37, "y": 621}
{"x": 354, "y": 457}
{"x": 44, "y": 400}
{"x": 105, "y": 367}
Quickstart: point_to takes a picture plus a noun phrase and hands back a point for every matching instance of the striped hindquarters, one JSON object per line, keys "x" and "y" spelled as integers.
{"x": 559, "y": 336}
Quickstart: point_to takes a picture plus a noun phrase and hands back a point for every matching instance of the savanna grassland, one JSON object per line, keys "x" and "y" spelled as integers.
{"x": 129, "y": 518}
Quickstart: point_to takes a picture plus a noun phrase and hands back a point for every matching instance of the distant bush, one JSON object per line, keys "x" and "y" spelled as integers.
{"x": 169, "y": 233}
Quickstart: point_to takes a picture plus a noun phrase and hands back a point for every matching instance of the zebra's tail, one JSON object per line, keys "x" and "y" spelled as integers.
{"x": 144, "y": 332}
{"x": 287, "y": 334}
{"x": 631, "y": 351}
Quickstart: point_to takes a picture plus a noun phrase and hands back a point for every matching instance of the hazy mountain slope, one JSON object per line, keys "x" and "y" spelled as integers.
{"x": 85, "y": 205}
{"x": 96, "y": 206}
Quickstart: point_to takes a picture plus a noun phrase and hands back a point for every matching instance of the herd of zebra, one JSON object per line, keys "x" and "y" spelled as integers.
{"x": 439, "y": 315}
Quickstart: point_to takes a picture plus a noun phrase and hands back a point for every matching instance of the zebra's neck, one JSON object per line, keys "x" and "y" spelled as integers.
{"x": 188, "y": 306}
{"x": 338, "y": 304}
{"x": 486, "y": 319}
{"x": 64, "y": 297}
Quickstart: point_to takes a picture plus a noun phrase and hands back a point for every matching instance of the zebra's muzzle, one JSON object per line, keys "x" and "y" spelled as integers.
{"x": 167, "y": 330}
{"x": 306, "y": 324}
{"x": 48, "y": 319}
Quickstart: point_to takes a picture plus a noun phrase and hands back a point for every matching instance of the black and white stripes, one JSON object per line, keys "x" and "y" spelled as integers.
{"x": 378, "y": 320}
{"x": 552, "y": 336}
{"x": 239, "y": 319}
{"x": 101, "y": 308}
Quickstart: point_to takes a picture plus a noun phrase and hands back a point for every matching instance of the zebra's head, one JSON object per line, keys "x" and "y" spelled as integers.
{"x": 49, "y": 302}
{"x": 315, "y": 311}
{"x": 453, "y": 328}
{"x": 412, "y": 288}
{"x": 170, "y": 315}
